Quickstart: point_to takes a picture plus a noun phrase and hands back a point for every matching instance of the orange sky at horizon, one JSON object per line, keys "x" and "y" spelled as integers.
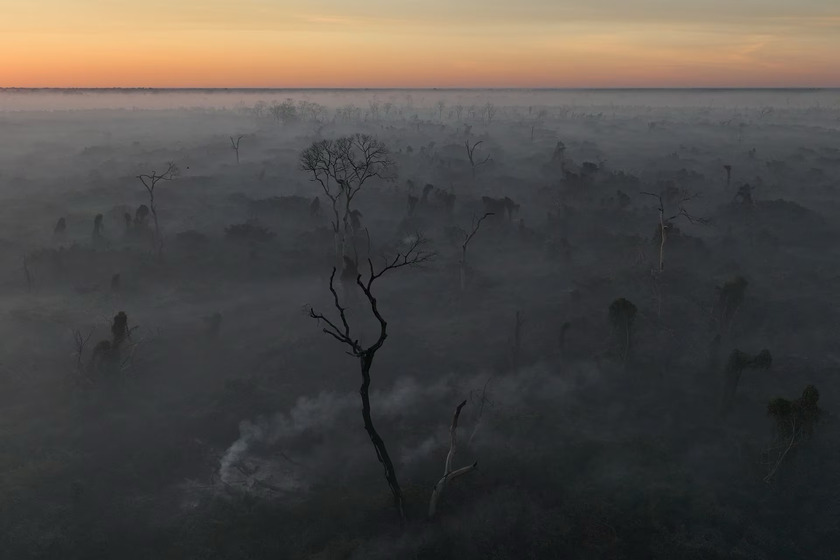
{"x": 272, "y": 43}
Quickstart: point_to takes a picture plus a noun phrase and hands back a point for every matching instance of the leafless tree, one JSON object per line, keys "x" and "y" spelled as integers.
{"x": 489, "y": 111}
{"x": 150, "y": 183}
{"x": 467, "y": 238}
{"x": 448, "y": 472}
{"x": 342, "y": 166}
{"x": 537, "y": 120}
{"x": 235, "y": 145}
{"x": 665, "y": 224}
{"x": 475, "y": 163}
{"x": 340, "y": 330}
{"x": 79, "y": 342}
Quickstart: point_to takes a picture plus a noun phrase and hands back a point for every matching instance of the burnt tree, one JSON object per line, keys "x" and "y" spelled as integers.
{"x": 150, "y": 183}
{"x": 340, "y": 330}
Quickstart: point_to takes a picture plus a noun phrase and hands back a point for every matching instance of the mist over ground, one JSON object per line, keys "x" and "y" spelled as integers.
{"x": 630, "y": 255}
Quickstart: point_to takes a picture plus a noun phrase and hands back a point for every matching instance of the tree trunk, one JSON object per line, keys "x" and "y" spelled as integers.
{"x": 463, "y": 269}
{"x": 378, "y": 444}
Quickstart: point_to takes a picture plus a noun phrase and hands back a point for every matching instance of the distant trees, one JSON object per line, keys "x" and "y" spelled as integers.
{"x": 340, "y": 330}
{"x": 150, "y": 182}
{"x": 284, "y": 112}
{"x": 342, "y": 167}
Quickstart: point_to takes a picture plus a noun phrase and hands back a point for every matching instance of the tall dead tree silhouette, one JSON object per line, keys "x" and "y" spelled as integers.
{"x": 150, "y": 182}
{"x": 340, "y": 330}
{"x": 666, "y": 224}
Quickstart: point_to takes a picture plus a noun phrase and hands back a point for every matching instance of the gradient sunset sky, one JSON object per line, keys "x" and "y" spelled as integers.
{"x": 419, "y": 43}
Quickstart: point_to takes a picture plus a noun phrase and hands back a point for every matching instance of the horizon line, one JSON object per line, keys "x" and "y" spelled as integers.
{"x": 502, "y": 88}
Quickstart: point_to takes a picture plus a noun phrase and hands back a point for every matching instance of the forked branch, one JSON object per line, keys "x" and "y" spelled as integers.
{"x": 448, "y": 473}
{"x": 475, "y": 163}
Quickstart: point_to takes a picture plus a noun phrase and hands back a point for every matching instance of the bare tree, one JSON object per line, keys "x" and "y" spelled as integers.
{"x": 150, "y": 182}
{"x": 795, "y": 422}
{"x": 448, "y": 472}
{"x": 467, "y": 238}
{"x": 235, "y": 145}
{"x": 537, "y": 120}
{"x": 475, "y": 163}
{"x": 489, "y": 111}
{"x": 340, "y": 330}
{"x": 79, "y": 342}
{"x": 342, "y": 166}
{"x": 666, "y": 224}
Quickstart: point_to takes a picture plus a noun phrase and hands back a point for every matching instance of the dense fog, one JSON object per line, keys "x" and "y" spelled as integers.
{"x": 607, "y": 318}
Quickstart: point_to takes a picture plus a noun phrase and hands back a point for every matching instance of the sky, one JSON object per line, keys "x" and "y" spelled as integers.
{"x": 419, "y": 43}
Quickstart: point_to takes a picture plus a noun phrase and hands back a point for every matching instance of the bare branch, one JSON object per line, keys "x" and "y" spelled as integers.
{"x": 471, "y": 155}
{"x": 448, "y": 473}
{"x": 476, "y": 224}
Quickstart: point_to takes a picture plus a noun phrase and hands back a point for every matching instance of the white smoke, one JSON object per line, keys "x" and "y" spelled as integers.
{"x": 321, "y": 432}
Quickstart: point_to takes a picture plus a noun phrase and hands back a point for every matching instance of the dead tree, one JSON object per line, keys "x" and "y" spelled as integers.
{"x": 79, "y": 343}
{"x": 537, "y": 120}
{"x": 235, "y": 145}
{"x": 341, "y": 331}
{"x": 150, "y": 183}
{"x": 448, "y": 473}
{"x": 342, "y": 166}
{"x": 795, "y": 423}
{"x": 489, "y": 111}
{"x": 666, "y": 224}
{"x": 475, "y": 163}
{"x": 467, "y": 238}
